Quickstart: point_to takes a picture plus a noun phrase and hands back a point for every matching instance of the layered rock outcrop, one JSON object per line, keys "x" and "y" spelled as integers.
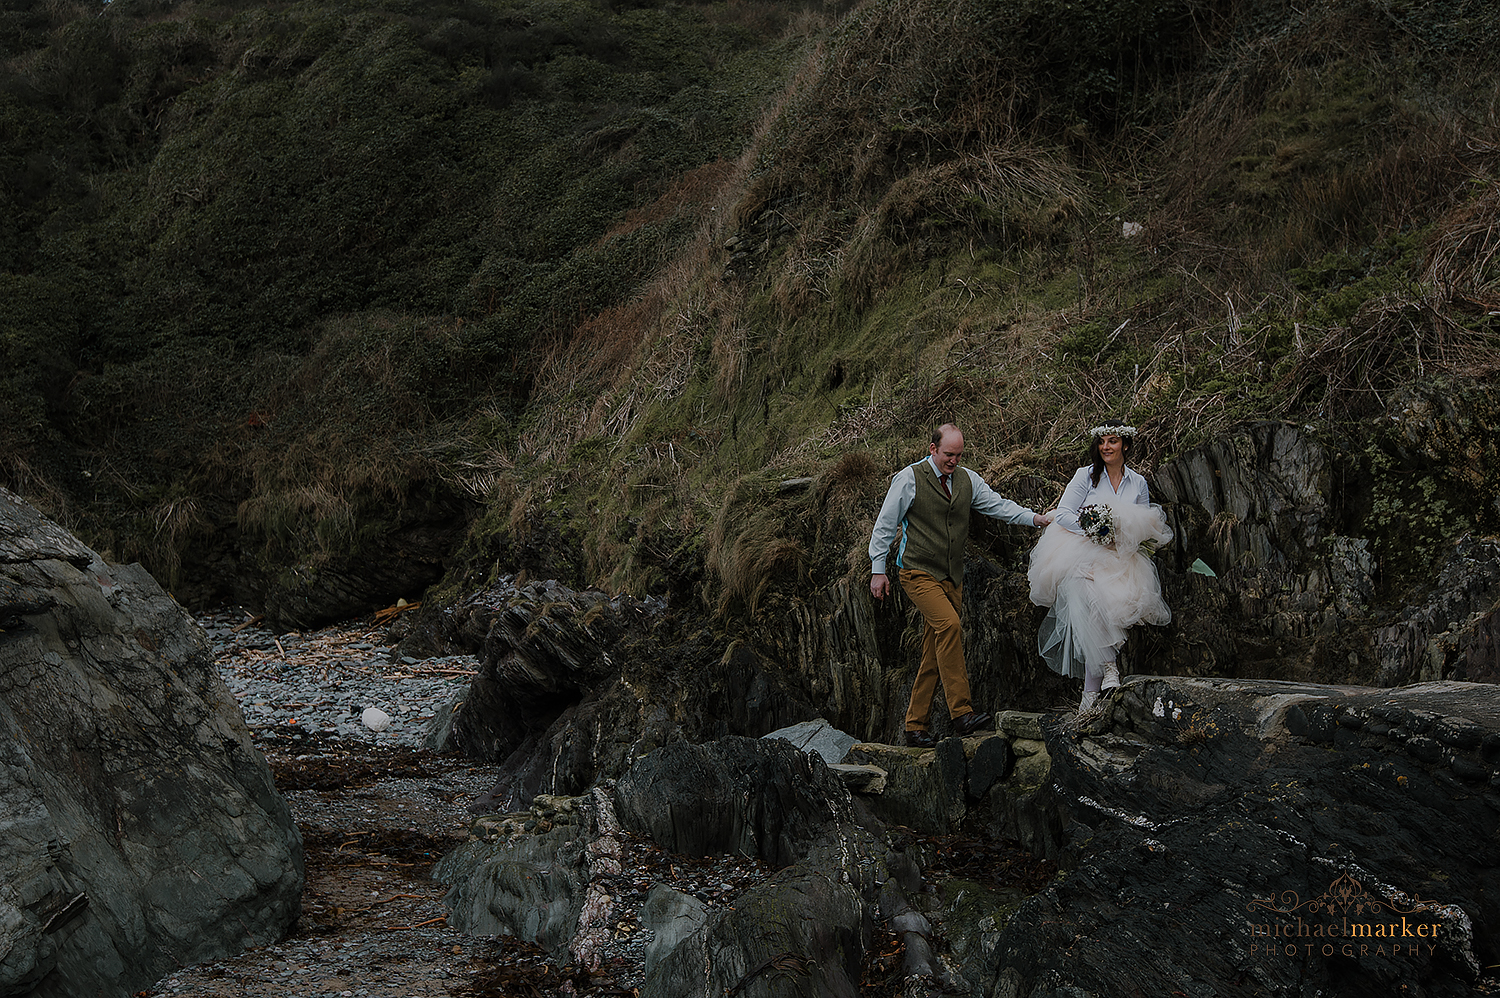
{"x": 573, "y": 685}
{"x": 1359, "y": 560}
{"x": 1211, "y": 836}
{"x": 1296, "y": 587}
{"x": 139, "y": 827}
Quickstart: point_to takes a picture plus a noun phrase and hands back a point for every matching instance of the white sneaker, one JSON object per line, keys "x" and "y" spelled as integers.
{"x": 1111, "y": 677}
{"x": 1090, "y": 697}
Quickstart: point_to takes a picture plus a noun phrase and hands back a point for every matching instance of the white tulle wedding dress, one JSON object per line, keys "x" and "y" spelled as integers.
{"x": 1097, "y": 592}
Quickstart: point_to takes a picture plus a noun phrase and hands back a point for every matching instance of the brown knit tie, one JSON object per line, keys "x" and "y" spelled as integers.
{"x": 946, "y": 490}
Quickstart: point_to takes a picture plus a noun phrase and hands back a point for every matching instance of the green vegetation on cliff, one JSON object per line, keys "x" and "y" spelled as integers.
{"x": 276, "y": 267}
{"x": 276, "y": 275}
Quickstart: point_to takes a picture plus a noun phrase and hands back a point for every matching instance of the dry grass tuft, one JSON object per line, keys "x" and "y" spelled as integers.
{"x": 760, "y": 555}
{"x": 854, "y": 470}
{"x": 748, "y": 550}
{"x": 730, "y": 353}
{"x": 17, "y": 474}
{"x": 1461, "y": 257}
{"x": 177, "y": 523}
{"x": 852, "y": 480}
{"x": 1390, "y": 340}
{"x": 1221, "y": 534}
{"x": 602, "y": 346}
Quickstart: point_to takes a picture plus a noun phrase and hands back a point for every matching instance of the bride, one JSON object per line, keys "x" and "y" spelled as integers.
{"x": 1092, "y": 565}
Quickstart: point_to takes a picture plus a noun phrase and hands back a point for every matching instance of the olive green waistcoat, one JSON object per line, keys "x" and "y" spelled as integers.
{"x": 936, "y": 528}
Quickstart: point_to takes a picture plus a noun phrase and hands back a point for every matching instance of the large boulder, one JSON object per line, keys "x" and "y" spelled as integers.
{"x": 804, "y": 932}
{"x": 139, "y": 827}
{"x": 531, "y": 886}
{"x": 755, "y": 797}
{"x": 923, "y": 789}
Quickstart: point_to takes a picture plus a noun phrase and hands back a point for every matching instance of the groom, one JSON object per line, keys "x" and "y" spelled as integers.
{"x": 928, "y": 505}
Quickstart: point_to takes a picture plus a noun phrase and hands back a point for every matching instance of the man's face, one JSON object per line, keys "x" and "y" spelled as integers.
{"x": 948, "y": 453}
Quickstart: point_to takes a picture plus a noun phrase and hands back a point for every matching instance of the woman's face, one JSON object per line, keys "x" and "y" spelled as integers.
{"x": 1112, "y": 449}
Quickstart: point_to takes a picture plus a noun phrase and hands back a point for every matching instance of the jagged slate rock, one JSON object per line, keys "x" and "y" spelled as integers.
{"x": 544, "y": 649}
{"x": 28, "y": 536}
{"x": 531, "y": 887}
{"x": 20, "y": 601}
{"x": 817, "y": 736}
{"x": 803, "y": 933}
{"x": 860, "y": 856}
{"x": 141, "y": 828}
{"x": 574, "y": 686}
{"x": 903, "y": 862}
{"x": 671, "y": 916}
{"x": 989, "y": 762}
{"x": 1018, "y": 808}
{"x": 1450, "y": 632}
{"x": 1201, "y": 854}
{"x": 749, "y": 796}
{"x": 1476, "y": 644}
{"x": 924, "y": 788}
{"x": 1295, "y": 598}
{"x": 973, "y": 916}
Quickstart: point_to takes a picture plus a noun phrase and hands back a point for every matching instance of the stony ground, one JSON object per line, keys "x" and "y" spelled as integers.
{"x": 376, "y": 813}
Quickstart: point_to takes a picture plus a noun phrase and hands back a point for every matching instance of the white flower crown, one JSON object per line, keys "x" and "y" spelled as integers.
{"x": 1112, "y": 428}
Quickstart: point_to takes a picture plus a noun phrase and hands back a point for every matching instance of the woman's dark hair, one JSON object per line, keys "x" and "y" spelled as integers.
{"x": 1126, "y": 443}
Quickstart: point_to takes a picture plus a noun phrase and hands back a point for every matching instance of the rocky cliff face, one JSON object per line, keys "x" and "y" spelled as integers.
{"x": 1336, "y": 560}
{"x": 1211, "y": 823}
{"x": 139, "y": 827}
{"x": 1297, "y": 557}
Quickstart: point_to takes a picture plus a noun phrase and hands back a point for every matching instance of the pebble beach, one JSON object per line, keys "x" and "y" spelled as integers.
{"x": 337, "y": 682}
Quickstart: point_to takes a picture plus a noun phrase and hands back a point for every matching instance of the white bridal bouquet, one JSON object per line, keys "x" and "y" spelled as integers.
{"x": 1098, "y": 523}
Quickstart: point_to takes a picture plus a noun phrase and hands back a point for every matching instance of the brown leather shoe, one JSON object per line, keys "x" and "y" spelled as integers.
{"x": 967, "y": 724}
{"x": 919, "y": 738}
